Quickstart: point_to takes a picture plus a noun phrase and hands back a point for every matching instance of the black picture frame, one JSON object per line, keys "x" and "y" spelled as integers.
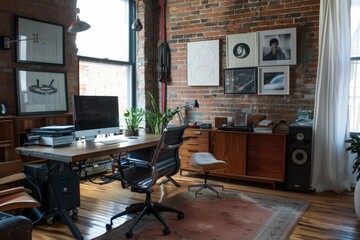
{"x": 41, "y": 92}
{"x": 240, "y": 80}
{"x": 39, "y": 41}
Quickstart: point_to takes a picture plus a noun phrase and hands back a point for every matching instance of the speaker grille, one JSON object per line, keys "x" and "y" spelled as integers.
{"x": 299, "y": 158}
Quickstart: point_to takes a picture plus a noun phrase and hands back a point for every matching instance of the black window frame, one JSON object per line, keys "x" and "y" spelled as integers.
{"x": 132, "y": 55}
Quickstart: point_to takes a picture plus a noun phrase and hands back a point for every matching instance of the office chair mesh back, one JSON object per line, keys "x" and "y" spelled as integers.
{"x": 165, "y": 161}
{"x": 141, "y": 175}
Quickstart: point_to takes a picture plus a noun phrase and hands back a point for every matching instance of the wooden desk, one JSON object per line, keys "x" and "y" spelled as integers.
{"x": 80, "y": 151}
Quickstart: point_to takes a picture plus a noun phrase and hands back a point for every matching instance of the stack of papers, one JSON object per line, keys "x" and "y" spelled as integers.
{"x": 265, "y": 126}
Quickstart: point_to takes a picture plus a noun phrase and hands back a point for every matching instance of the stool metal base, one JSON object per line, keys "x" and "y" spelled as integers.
{"x": 205, "y": 185}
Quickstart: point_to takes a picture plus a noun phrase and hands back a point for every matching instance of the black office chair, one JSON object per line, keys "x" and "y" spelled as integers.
{"x": 141, "y": 175}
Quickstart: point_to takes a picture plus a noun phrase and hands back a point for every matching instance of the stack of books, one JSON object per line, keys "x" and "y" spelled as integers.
{"x": 265, "y": 126}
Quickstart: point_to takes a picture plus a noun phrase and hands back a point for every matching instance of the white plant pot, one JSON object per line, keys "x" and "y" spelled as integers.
{"x": 357, "y": 199}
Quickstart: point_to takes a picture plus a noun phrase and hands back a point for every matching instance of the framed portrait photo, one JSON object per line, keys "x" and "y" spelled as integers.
{"x": 277, "y": 47}
{"x": 273, "y": 80}
{"x": 242, "y": 50}
{"x": 240, "y": 80}
{"x": 39, "y": 41}
{"x": 41, "y": 92}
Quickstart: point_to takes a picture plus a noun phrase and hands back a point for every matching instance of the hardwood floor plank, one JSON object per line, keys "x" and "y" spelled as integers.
{"x": 330, "y": 215}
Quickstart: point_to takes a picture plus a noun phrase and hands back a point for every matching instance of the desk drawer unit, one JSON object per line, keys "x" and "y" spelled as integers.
{"x": 197, "y": 141}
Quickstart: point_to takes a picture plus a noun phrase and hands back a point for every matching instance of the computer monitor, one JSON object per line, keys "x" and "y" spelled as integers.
{"x": 95, "y": 115}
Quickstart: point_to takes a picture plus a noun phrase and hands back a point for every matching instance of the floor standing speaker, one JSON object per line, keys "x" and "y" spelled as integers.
{"x": 299, "y": 158}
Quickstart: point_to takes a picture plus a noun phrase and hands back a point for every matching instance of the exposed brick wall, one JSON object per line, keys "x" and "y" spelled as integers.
{"x": 55, "y": 11}
{"x": 198, "y": 20}
{"x": 187, "y": 21}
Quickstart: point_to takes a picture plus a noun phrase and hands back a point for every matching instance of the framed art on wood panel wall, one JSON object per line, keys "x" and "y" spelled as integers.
{"x": 242, "y": 50}
{"x": 41, "y": 92}
{"x": 277, "y": 47}
{"x": 39, "y": 41}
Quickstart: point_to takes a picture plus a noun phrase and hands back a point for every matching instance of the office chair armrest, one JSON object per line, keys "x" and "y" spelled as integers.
{"x": 173, "y": 146}
{"x": 131, "y": 164}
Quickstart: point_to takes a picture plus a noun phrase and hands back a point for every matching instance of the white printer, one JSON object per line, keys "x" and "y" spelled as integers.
{"x": 54, "y": 136}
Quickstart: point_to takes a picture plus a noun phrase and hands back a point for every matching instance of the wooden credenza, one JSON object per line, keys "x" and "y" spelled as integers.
{"x": 7, "y": 138}
{"x": 197, "y": 141}
{"x": 251, "y": 156}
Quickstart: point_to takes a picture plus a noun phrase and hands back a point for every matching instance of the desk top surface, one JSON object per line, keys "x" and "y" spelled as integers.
{"x": 79, "y": 151}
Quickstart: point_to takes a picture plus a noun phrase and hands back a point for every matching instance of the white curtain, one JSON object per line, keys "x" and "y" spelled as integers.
{"x": 330, "y": 165}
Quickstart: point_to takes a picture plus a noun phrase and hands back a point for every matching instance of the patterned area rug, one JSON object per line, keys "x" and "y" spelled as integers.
{"x": 234, "y": 215}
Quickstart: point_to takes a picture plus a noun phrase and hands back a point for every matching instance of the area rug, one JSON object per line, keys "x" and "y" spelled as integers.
{"x": 234, "y": 215}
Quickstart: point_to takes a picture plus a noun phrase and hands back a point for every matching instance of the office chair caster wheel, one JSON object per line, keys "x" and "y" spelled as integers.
{"x": 166, "y": 231}
{"x": 108, "y": 227}
{"x": 73, "y": 213}
{"x": 181, "y": 216}
{"x": 129, "y": 234}
{"x": 49, "y": 221}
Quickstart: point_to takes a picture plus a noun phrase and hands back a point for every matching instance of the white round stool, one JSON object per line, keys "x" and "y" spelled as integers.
{"x": 206, "y": 163}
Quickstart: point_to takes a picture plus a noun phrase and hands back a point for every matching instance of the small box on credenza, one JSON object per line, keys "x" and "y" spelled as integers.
{"x": 205, "y": 125}
{"x": 220, "y": 121}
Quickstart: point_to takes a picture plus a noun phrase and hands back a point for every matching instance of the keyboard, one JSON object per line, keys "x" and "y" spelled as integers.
{"x": 111, "y": 141}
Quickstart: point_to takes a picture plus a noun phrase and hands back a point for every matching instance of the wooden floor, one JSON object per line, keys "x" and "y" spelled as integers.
{"x": 330, "y": 216}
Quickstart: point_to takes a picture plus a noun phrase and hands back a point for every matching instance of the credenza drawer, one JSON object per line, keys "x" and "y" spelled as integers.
{"x": 197, "y": 141}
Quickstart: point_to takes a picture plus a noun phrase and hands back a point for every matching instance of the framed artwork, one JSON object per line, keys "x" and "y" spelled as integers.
{"x": 277, "y": 47}
{"x": 41, "y": 92}
{"x": 39, "y": 41}
{"x": 273, "y": 80}
{"x": 203, "y": 63}
{"x": 240, "y": 80}
{"x": 3, "y": 109}
{"x": 242, "y": 50}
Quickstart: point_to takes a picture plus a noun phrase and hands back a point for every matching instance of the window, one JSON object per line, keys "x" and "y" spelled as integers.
{"x": 354, "y": 89}
{"x": 106, "y": 50}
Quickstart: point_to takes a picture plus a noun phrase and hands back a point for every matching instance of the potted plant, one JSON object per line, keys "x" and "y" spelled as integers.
{"x": 155, "y": 120}
{"x": 354, "y": 147}
{"x": 133, "y": 118}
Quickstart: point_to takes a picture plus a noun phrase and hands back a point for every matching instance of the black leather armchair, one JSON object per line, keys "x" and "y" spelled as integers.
{"x": 141, "y": 175}
{"x": 15, "y": 227}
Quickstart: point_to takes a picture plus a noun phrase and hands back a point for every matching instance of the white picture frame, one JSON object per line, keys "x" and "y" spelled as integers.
{"x": 242, "y": 50}
{"x": 285, "y": 39}
{"x": 274, "y": 80}
{"x": 203, "y": 63}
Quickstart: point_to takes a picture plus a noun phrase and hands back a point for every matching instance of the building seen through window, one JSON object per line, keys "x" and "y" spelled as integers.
{"x": 105, "y": 67}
